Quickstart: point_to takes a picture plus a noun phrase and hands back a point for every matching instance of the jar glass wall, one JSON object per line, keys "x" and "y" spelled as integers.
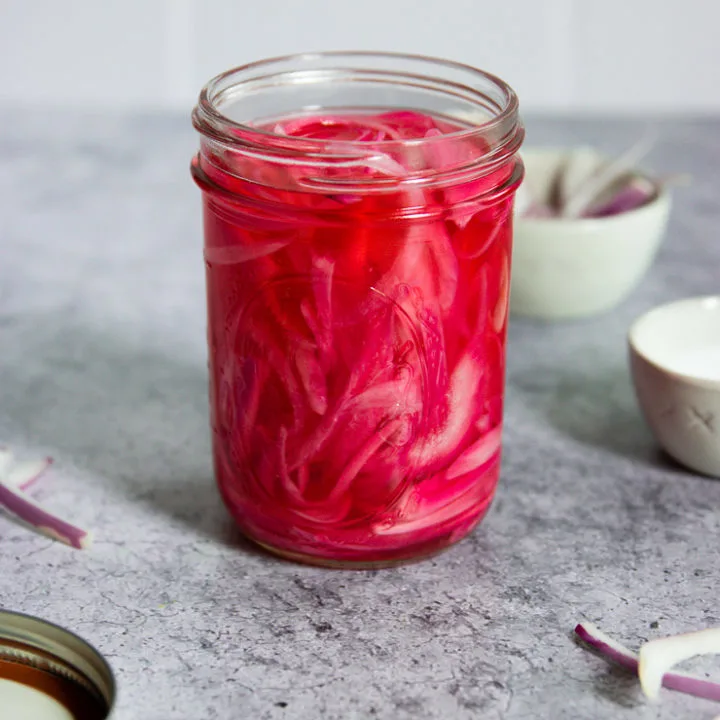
{"x": 358, "y": 220}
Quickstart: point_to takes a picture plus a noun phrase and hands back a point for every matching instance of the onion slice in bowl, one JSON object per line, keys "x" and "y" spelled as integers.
{"x": 682, "y": 682}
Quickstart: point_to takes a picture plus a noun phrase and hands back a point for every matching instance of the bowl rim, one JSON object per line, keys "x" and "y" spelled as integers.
{"x": 660, "y": 201}
{"x": 697, "y": 380}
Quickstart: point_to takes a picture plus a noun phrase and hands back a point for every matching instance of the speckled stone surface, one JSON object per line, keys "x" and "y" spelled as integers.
{"x": 102, "y": 364}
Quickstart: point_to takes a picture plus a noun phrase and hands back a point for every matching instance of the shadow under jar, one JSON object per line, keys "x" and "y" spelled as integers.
{"x": 358, "y": 221}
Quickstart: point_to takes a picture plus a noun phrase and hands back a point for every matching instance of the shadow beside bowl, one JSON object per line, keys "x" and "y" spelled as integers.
{"x": 597, "y": 410}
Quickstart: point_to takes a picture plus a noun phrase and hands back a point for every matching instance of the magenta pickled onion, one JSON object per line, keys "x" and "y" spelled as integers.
{"x": 358, "y": 355}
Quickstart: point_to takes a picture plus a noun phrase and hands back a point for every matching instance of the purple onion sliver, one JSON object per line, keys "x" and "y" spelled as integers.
{"x": 25, "y": 474}
{"x": 30, "y": 512}
{"x": 345, "y": 198}
{"x": 536, "y": 210}
{"x": 699, "y": 687}
{"x": 682, "y": 682}
{"x": 605, "y": 646}
{"x": 629, "y": 198}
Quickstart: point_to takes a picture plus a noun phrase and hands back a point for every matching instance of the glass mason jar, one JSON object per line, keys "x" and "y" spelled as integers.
{"x": 358, "y": 219}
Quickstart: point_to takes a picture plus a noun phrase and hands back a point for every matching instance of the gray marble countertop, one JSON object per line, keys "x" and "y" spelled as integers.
{"x": 102, "y": 365}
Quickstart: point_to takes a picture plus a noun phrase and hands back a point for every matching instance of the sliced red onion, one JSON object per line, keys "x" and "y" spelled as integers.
{"x": 586, "y": 186}
{"x": 242, "y": 253}
{"x": 584, "y": 195}
{"x": 385, "y": 164}
{"x": 524, "y": 200}
{"x": 477, "y": 455}
{"x": 606, "y": 646}
{"x": 536, "y": 210}
{"x": 23, "y": 475}
{"x": 15, "y": 477}
{"x": 620, "y": 655}
{"x": 345, "y": 198}
{"x": 658, "y": 656}
{"x": 633, "y": 194}
{"x": 578, "y": 168}
{"x": 629, "y": 195}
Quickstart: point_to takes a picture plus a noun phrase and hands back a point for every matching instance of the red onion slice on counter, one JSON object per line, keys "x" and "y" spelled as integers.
{"x": 657, "y": 657}
{"x": 15, "y": 478}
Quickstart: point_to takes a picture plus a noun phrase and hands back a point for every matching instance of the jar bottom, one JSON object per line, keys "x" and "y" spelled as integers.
{"x": 332, "y": 564}
{"x": 371, "y": 560}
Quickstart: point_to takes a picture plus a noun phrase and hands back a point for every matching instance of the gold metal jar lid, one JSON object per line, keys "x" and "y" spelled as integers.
{"x": 48, "y": 673}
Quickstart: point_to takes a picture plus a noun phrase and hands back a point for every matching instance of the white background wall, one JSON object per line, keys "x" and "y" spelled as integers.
{"x": 560, "y": 55}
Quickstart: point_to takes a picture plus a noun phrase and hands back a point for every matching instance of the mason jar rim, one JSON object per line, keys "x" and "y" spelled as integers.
{"x": 209, "y": 120}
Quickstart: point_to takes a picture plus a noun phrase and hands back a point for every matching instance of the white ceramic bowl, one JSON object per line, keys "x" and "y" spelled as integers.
{"x": 675, "y": 365}
{"x": 569, "y": 268}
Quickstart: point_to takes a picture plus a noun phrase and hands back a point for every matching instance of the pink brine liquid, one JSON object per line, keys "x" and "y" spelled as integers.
{"x": 357, "y": 341}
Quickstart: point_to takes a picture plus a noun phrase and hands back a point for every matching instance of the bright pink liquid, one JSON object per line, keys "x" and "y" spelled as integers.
{"x": 356, "y": 348}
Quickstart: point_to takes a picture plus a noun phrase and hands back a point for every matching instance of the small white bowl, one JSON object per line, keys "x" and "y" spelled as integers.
{"x": 675, "y": 365}
{"x": 570, "y": 268}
